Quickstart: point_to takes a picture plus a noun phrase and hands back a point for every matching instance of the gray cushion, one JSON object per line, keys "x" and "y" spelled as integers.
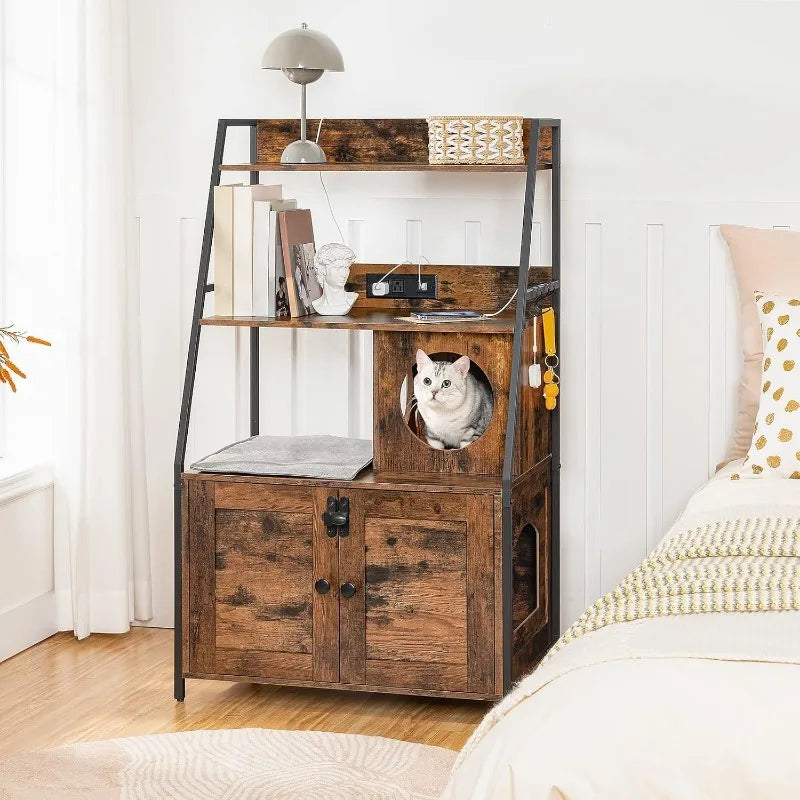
{"x": 331, "y": 457}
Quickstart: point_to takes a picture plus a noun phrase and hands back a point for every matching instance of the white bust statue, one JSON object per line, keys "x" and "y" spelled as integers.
{"x": 332, "y": 265}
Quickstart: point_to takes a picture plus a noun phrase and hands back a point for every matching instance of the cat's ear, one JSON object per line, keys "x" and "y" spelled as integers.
{"x": 461, "y": 366}
{"x": 423, "y": 360}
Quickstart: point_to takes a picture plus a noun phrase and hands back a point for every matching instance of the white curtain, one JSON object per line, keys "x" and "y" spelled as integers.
{"x": 101, "y": 518}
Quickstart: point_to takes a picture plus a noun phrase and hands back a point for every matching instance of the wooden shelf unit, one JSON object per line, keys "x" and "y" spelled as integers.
{"x": 442, "y": 579}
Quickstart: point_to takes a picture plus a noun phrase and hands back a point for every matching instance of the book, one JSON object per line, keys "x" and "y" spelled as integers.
{"x": 278, "y": 278}
{"x": 265, "y": 248}
{"x": 297, "y": 246}
{"x": 243, "y": 199}
{"x": 223, "y": 249}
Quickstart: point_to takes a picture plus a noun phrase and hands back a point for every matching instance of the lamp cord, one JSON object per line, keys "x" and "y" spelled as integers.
{"x": 325, "y": 188}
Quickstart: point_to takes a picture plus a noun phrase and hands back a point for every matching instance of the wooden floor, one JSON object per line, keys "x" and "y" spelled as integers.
{"x": 63, "y": 691}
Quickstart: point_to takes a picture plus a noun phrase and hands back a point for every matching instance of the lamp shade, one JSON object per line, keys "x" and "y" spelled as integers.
{"x": 303, "y": 48}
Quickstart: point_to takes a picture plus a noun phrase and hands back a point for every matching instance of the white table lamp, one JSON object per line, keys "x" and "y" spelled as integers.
{"x": 303, "y": 55}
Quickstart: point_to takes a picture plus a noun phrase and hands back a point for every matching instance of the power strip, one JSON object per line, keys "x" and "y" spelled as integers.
{"x": 407, "y": 286}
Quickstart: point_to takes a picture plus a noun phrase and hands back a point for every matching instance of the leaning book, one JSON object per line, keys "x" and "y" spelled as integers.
{"x": 297, "y": 247}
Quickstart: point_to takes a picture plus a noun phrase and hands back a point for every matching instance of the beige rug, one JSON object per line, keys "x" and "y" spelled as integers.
{"x": 246, "y": 764}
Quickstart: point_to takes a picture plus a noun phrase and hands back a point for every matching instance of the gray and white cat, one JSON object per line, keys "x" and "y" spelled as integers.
{"x": 454, "y": 404}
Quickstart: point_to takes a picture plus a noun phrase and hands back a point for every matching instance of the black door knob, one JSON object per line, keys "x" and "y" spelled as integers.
{"x": 348, "y": 589}
{"x": 322, "y": 586}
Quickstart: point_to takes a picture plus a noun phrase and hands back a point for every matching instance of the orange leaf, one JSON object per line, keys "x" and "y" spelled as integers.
{"x": 9, "y": 380}
{"x": 37, "y": 340}
{"x": 14, "y": 368}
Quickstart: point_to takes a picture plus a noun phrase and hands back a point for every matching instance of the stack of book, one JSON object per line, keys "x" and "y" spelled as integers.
{"x": 263, "y": 254}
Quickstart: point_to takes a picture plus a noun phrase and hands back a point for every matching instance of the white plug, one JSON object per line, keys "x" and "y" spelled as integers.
{"x": 535, "y": 376}
{"x": 380, "y": 289}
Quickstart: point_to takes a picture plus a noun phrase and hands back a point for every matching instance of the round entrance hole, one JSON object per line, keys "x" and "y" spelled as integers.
{"x": 450, "y": 402}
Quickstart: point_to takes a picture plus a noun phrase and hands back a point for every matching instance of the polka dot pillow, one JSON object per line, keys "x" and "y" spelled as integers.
{"x": 775, "y": 448}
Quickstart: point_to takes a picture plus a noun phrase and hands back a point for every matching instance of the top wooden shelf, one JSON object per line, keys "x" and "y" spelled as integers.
{"x": 382, "y": 167}
{"x": 367, "y": 145}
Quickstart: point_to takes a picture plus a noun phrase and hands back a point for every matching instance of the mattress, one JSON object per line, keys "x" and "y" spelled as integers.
{"x": 701, "y": 705}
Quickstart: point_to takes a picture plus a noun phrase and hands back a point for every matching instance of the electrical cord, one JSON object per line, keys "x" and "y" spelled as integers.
{"x": 325, "y": 188}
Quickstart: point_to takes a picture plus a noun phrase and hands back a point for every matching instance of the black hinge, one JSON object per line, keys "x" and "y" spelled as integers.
{"x": 337, "y": 516}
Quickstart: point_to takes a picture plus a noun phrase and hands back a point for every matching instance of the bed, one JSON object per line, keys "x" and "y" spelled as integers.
{"x": 659, "y": 693}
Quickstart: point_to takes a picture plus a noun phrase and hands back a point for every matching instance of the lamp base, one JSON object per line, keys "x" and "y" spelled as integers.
{"x": 303, "y": 151}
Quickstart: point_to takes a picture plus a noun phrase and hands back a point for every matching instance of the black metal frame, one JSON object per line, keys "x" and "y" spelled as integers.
{"x": 514, "y": 388}
{"x": 203, "y": 288}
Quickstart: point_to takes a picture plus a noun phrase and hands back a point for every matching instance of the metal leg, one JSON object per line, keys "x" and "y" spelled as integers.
{"x": 254, "y": 377}
{"x": 513, "y": 397}
{"x": 555, "y": 419}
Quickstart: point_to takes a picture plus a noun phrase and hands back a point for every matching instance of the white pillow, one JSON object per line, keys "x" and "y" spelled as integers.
{"x": 775, "y": 448}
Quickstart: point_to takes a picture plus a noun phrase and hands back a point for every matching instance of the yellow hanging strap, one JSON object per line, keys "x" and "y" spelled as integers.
{"x": 550, "y": 377}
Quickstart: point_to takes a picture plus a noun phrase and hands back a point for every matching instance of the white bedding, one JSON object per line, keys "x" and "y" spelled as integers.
{"x": 695, "y": 706}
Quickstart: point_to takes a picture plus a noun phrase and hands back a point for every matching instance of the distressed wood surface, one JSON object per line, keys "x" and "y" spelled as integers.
{"x": 460, "y": 287}
{"x": 201, "y": 577}
{"x": 326, "y": 606}
{"x": 415, "y": 580}
{"x": 352, "y": 611}
{"x": 374, "y": 143}
{"x": 532, "y": 431}
{"x": 399, "y": 451}
{"x": 185, "y": 576}
{"x": 418, "y": 556}
{"x": 498, "y": 594}
{"x": 480, "y": 594}
{"x": 264, "y": 664}
{"x": 454, "y": 484}
{"x": 530, "y": 504}
{"x": 385, "y": 166}
{"x": 264, "y": 568}
{"x": 417, "y": 676}
{"x": 252, "y": 496}
{"x": 368, "y": 320}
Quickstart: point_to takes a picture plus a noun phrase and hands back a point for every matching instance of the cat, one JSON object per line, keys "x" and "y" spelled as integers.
{"x": 454, "y": 404}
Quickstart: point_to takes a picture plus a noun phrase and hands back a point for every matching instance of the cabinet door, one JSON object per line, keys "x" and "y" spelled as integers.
{"x": 255, "y": 553}
{"x": 422, "y": 615}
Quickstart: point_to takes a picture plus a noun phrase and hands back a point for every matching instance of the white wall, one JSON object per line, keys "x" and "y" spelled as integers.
{"x": 27, "y": 595}
{"x": 676, "y": 119}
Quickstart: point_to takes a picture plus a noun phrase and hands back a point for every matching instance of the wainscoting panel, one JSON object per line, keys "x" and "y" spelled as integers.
{"x": 650, "y": 351}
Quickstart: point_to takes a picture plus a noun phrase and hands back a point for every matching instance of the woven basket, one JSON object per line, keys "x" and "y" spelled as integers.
{"x": 475, "y": 140}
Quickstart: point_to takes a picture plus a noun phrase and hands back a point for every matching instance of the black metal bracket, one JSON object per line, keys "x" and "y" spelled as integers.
{"x": 337, "y": 516}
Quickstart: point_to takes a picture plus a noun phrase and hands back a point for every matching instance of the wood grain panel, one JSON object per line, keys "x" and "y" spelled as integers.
{"x": 498, "y": 594}
{"x": 438, "y": 505}
{"x": 530, "y": 505}
{"x": 417, "y": 675}
{"x": 415, "y": 586}
{"x": 532, "y": 432}
{"x": 297, "y": 666}
{"x": 262, "y": 497}
{"x": 185, "y": 578}
{"x": 360, "y": 319}
{"x": 326, "y": 606}
{"x": 397, "y": 449}
{"x": 370, "y": 141}
{"x": 476, "y": 288}
{"x": 413, "y": 484}
{"x": 201, "y": 577}
{"x": 264, "y": 570}
{"x": 480, "y": 589}
{"x": 352, "y": 613}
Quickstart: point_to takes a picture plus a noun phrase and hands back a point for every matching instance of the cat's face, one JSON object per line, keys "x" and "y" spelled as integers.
{"x": 440, "y": 385}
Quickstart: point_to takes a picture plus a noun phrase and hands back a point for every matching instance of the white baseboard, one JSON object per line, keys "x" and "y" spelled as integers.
{"x": 27, "y": 624}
